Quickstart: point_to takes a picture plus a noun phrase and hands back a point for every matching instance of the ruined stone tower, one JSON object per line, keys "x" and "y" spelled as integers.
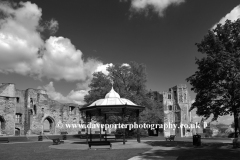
{"x": 31, "y": 111}
{"x": 177, "y": 102}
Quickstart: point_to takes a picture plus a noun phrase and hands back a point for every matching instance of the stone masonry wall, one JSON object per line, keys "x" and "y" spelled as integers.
{"x": 71, "y": 117}
{"x": 20, "y": 110}
{"x": 34, "y": 107}
{"x": 7, "y": 111}
{"x": 176, "y": 106}
{"x": 7, "y": 89}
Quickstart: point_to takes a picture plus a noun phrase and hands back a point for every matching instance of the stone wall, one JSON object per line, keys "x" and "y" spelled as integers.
{"x": 7, "y": 112}
{"x": 54, "y": 112}
{"x": 20, "y": 102}
{"x": 7, "y": 89}
{"x": 176, "y": 102}
{"x": 34, "y": 107}
{"x": 71, "y": 117}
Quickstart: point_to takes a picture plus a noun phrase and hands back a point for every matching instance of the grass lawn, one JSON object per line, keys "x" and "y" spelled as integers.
{"x": 41, "y": 151}
{"x": 186, "y": 151}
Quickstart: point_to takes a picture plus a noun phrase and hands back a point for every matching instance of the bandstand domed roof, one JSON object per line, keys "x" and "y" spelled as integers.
{"x": 112, "y": 98}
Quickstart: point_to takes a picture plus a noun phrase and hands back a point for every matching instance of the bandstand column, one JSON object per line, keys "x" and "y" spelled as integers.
{"x": 90, "y": 120}
{"x": 100, "y": 125}
{"x": 105, "y": 121}
{"x": 87, "y": 125}
{"x": 123, "y": 112}
{"x": 138, "y": 133}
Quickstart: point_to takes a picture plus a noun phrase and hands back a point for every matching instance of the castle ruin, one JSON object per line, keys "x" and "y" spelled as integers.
{"x": 31, "y": 111}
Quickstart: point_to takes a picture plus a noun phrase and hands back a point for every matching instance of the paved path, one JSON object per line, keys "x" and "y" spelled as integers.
{"x": 152, "y": 154}
{"x": 80, "y": 145}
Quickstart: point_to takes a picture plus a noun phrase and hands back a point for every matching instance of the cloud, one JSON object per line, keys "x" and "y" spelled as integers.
{"x": 233, "y": 15}
{"x": 157, "y": 6}
{"x": 53, "y": 94}
{"x": 52, "y": 26}
{"x": 72, "y": 97}
{"x": 125, "y": 65}
{"x": 61, "y": 60}
{"x": 77, "y": 96}
{"x": 103, "y": 68}
{"x": 23, "y": 51}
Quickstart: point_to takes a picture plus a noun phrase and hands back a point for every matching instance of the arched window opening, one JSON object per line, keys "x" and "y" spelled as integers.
{"x": 35, "y": 109}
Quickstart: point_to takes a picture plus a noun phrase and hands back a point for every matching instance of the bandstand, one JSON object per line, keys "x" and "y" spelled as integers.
{"x": 115, "y": 105}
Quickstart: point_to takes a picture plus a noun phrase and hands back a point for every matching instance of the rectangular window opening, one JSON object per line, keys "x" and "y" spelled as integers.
{"x": 18, "y": 99}
{"x": 71, "y": 110}
{"x": 18, "y": 118}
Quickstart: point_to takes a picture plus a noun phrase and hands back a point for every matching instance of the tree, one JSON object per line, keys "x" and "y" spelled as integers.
{"x": 217, "y": 81}
{"x": 130, "y": 82}
{"x": 153, "y": 114}
{"x": 99, "y": 87}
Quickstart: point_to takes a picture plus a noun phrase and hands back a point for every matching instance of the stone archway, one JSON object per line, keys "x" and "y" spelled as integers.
{"x": 48, "y": 125}
{"x": 17, "y": 132}
{"x": 2, "y": 124}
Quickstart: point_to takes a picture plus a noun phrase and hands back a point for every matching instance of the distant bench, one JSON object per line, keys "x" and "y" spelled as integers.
{"x": 4, "y": 140}
{"x": 57, "y": 141}
{"x": 99, "y": 143}
{"x": 170, "y": 138}
{"x": 110, "y": 137}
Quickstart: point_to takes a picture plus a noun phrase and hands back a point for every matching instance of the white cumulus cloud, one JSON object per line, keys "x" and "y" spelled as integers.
{"x": 62, "y": 60}
{"x": 72, "y": 97}
{"x": 23, "y": 51}
{"x": 233, "y": 15}
{"x": 53, "y": 94}
{"x": 158, "y": 6}
{"x": 103, "y": 68}
{"x": 77, "y": 96}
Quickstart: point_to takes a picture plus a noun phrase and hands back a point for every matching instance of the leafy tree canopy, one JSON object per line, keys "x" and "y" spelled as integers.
{"x": 217, "y": 80}
{"x": 130, "y": 82}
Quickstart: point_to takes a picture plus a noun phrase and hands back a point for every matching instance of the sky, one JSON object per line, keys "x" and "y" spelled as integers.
{"x": 56, "y": 45}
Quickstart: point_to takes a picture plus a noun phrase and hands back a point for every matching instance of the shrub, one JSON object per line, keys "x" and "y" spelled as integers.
{"x": 232, "y": 135}
{"x": 221, "y": 135}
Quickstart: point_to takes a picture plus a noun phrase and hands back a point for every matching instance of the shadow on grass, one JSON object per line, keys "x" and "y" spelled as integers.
{"x": 184, "y": 144}
{"x": 41, "y": 151}
{"x": 186, "y": 151}
{"x": 96, "y": 140}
